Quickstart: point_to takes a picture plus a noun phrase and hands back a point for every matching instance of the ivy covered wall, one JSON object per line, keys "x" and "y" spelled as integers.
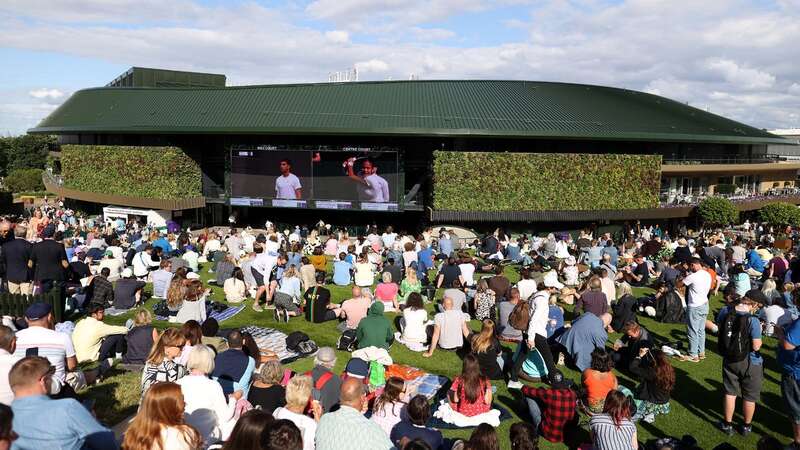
{"x": 482, "y": 181}
{"x": 149, "y": 172}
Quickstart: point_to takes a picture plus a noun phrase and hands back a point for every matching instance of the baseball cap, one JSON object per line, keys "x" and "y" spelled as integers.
{"x": 557, "y": 380}
{"x": 551, "y": 280}
{"x": 756, "y": 296}
{"x": 192, "y": 276}
{"x": 126, "y": 273}
{"x": 357, "y": 368}
{"x": 109, "y": 253}
{"x": 38, "y": 311}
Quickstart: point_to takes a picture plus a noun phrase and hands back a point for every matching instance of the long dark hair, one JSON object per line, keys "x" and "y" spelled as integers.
{"x": 618, "y": 406}
{"x": 665, "y": 374}
{"x": 472, "y": 382}
{"x": 250, "y": 431}
{"x": 391, "y": 394}
{"x": 483, "y": 438}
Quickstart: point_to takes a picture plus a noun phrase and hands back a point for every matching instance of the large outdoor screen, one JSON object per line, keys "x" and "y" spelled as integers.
{"x": 349, "y": 178}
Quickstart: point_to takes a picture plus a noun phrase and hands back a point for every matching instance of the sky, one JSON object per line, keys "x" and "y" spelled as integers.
{"x": 736, "y": 58}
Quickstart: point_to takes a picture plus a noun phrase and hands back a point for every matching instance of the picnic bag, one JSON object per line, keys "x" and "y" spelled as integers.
{"x": 520, "y": 316}
{"x": 735, "y": 343}
{"x": 347, "y": 341}
{"x": 294, "y": 339}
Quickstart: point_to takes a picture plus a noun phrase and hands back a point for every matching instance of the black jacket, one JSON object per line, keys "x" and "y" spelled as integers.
{"x": 669, "y": 308}
{"x": 648, "y": 389}
{"x": 15, "y": 258}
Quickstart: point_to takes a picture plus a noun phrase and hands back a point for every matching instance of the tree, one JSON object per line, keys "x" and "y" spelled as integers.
{"x": 780, "y": 214}
{"x": 24, "y": 180}
{"x": 25, "y": 152}
{"x": 717, "y": 211}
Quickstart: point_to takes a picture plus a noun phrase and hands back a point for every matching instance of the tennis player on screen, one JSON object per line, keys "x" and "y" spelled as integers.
{"x": 371, "y": 187}
{"x": 287, "y": 185}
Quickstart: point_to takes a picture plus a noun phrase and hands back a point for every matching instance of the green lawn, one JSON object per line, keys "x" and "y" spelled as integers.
{"x": 696, "y": 400}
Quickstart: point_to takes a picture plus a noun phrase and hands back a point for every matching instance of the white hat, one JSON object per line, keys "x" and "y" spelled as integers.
{"x": 569, "y": 260}
{"x": 551, "y": 280}
{"x": 192, "y": 276}
{"x": 126, "y": 273}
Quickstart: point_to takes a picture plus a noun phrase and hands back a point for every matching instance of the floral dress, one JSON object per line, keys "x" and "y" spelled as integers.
{"x": 484, "y": 305}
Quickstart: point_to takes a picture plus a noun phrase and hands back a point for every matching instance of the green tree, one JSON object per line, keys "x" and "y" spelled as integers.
{"x": 24, "y": 180}
{"x": 780, "y": 214}
{"x": 717, "y": 211}
{"x": 25, "y": 152}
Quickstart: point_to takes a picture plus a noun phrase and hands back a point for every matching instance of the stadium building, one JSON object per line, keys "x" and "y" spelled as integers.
{"x": 187, "y": 146}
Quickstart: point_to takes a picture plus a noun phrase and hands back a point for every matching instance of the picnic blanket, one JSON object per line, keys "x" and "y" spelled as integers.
{"x": 427, "y": 385}
{"x": 272, "y": 340}
{"x": 225, "y": 314}
{"x": 444, "y": 418}
{"x": 115, "y": 312}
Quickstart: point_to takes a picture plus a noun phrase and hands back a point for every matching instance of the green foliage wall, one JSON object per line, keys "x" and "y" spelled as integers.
{"x": 477, "y": 181}
{"x": 150, "y": 172}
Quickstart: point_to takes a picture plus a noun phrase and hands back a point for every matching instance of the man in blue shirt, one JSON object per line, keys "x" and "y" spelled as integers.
{"x": 342, "y": 271}
{"x": 789, "y": 358}
{"x": 425, "y": 261}
{"x": 612, "y": 252}
{"x": 44, "y": 423}
{"x": 742, "y": 378}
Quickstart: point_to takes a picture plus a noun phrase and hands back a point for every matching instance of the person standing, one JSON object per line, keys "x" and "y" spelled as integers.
{"x": 789, "y": 358}
{"x": 16, "y": 254}
{"x": 49, "y": 262}
{"x": 698, "y": 284}
{"x": 742, "y": 365}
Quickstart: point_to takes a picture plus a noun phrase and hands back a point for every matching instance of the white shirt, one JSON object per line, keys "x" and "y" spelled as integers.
{"x": 7, "y": 360}
{"x": 141, "y": 262}
{"x": 54, "y": 346}
{"x": 207, "y": 409}
{"x": 174, "y": 439}
{"x": 376, "y": 189}
{"x": 285, "y": 186}
{"x": 114, "y": 267}
{"x": 263, "y": 263}
{"x": 697, "y": 286}
{"x": 526, "y": 288}
{"x": 414, "y": 330}
{"x": 539, "y": 317}
{"x": 388, "y": 239}
{"x": 468, "y": 273}
{"x": 307, "y": 425}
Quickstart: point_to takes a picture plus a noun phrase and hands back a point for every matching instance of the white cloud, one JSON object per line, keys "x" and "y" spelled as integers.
{"x": 372, "y": 66}
{"x": 744, "y": 77}
{"x": 45, "y": 93}
{"x": 734, "y": 57}
{"x": 338, "y": 36}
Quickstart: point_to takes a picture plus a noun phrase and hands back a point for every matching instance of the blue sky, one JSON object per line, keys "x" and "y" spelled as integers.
{"x": 733, "y": 57}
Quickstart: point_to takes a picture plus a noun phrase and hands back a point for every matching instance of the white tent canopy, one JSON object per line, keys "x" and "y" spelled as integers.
{"x": 157, "y": 218}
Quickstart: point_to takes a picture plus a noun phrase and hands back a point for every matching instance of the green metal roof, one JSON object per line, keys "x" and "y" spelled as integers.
{"x": 520, "y": 109}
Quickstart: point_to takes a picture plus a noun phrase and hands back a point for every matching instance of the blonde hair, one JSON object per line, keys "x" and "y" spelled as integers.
{"x": 298, "y": 391}
{"x": 289, "y": 272}
{"x": 485, "y": 338}
{"x": 271, "y": 372}
{"x": 386, "y": 277}
{"x": 624, "y": 289}
{"x": 411, "y": 274}
{"x": 143, "y": 316}
{"x": 201, "y": 359}
{"x": 171, "y": 337}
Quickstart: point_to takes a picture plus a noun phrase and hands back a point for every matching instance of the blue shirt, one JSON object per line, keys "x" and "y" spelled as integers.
{"x": 341, "y": 273}
{"x": 586, "y": 333}
{"x": 754, "y": 261}
{"x": 163, "y": 243}
{"x": 790, "y": 359}
{"x": 613, "y": 254}
{"x": 445, "y": 246}
{"x": 425, "y": 258}
{"x": 554, "y": 314}
{"x": 42, "y": 423}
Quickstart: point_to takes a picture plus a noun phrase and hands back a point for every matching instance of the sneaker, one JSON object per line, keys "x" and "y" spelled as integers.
{"x": 725, "y": 428}
{"x": 650, "y": 418}
{"x": 746, "y": 429}
{"x": 514, "y": 384}
{"x": 257, "y": 307}
{"x": 277, "y": 315}
{"x": 458, "y": 445}
{"x": 561, "y": 359}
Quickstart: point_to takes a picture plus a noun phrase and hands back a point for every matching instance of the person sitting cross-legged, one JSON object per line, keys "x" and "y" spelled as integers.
{"x": 375, "y": 330}
{"x": 552, "y": 409}
{"x": 97, "y": 341}
{"x": 449, "y": 329}
{"x": 233, "y": 368}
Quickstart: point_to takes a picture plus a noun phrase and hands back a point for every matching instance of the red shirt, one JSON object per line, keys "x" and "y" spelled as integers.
{"x": 463, "y": 406}
{"x": 559, "y": 410}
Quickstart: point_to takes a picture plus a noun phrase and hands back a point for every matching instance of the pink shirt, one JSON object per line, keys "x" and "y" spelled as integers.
{"x": 386, "y": 292}
{"x": 331, "y": 245}
{"x": 355, "y": 309}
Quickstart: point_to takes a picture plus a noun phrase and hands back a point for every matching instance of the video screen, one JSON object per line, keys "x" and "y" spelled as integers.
{"x": 351, "y": 178}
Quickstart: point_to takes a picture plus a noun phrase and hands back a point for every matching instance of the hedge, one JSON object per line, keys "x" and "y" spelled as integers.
{"x": 717, "y": 211}
{"x": 147, "y": 172}
{"x": 780, "y": 214}
{"x": 477, "y": 181}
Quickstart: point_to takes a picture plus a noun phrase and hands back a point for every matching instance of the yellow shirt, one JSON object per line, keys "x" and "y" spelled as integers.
{"x": 89, "y": 334}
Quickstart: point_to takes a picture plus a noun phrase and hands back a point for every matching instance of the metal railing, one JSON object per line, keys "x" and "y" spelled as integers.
{"x": 735, "y": 159}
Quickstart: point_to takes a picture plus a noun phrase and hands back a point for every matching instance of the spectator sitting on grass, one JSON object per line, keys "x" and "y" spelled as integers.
{"x": 375, "y": 330}
{"x": 96, "y": 341}
{"x": 161, "y": 279}
{"x": 449, "y": 329}
{"x": 342, "y": 271}
{"x": 552, "y": 409}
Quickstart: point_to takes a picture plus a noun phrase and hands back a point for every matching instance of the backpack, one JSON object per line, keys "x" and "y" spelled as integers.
{"x": 735, "y": 343}
{"x": 347, "y": 341}
{"x": 294, "y": 339}
{"x": 520, "y": 316}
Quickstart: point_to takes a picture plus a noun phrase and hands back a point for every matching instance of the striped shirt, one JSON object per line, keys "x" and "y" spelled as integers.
{"x": 607, "y": 436}
{"x": 50, "y": 344}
